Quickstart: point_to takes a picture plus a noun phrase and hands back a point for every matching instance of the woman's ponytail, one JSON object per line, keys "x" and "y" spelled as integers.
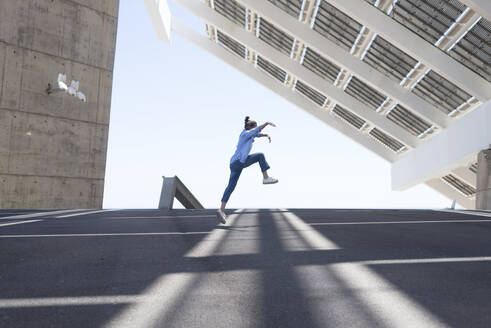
{"x": 246, "y": 121}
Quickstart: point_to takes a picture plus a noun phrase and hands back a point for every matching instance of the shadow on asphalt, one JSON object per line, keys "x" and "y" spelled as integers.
{"x": 458, "y": 293}
{"x": 87, "y": 266}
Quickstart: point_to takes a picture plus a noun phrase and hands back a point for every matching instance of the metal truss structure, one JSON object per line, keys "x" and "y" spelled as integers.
{"x": 391, "y": 75}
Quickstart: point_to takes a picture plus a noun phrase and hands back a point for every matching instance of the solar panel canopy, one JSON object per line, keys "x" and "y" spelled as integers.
{"x": 389, "y": 74}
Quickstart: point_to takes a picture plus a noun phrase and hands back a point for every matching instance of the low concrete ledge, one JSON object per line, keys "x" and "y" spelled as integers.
{"x": 172, "y": 188}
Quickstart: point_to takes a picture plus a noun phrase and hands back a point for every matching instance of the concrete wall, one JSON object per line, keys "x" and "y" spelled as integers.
{"x": 53, "y": 148}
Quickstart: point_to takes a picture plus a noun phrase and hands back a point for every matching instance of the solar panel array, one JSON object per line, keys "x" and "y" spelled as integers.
{"x": 291, "y": 7}
{"x": 232, "y": 10}
{"x": 320, "y": 65}
{"x": 430, "y": 19}
{"x": 336, "y": 26}
{"x": 389, "y": 60}
{"x": 473, "y": 168}
{"x": 408, "y": 121}
{"x": 275, "y": 37}
{"x": 310, "y": 93}
{"x": 442, "y": 93}
{"x": 349, "y": 117}
{"x": 474, "y": 49}
{"x": 392, "y": 143}
{"x": 364, "y": 93}
{"x": 231, "y": 44}
{"x": 459, "y": 185}
{"x": 271, "y": 69}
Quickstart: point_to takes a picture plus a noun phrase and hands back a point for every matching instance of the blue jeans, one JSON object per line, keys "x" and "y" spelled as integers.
{"x": 236, "y": 168}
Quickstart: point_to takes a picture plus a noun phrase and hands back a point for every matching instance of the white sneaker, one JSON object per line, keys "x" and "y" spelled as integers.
{"x": 221, "y": 216}
{"x": 270, "y": 180}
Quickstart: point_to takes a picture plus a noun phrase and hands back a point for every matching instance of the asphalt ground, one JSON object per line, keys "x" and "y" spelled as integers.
{"x": 265, "y": 268}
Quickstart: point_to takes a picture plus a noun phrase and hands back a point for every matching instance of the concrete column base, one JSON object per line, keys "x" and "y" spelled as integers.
{"x": 483, "y": 194}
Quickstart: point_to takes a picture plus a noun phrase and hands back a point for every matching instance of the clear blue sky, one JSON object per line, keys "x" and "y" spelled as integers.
{"x": 176, "y": 110}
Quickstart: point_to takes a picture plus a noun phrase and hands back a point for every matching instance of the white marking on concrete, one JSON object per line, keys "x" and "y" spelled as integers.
{"x": 385, "y": 301}
{"x": 18, "y": 222}
{"x": 35, "y": 215}
{"x": 84, "y": 213}
{"x": 158, "y": 217}
{"x": 468, "y": 212}
{"x": 396, "y": 222}
{"x": 315, "y": 239}
{"x": 430, "y": 260}
{"x": 112, "y": 234}
{"x": 166, "y": 290}
{"x": 69, "y": 301}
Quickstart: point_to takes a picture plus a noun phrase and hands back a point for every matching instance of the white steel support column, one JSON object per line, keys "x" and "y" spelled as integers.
{"x": 161, "y": 18}
{"x": 299, "y": 47}
{"x": 296, "y": 69}
{"x": 362, "y": 43}
{"x": 483, "y": 7}
{"x": 251, "y": 27}
{"x": 359, "y": 48}
{"x": 246, "y": 68}
{"x": 344, "y": 59}
{"x": 416, "y": 47}
{"x": 455, "y": 146}
{"x": 210, "y": 30}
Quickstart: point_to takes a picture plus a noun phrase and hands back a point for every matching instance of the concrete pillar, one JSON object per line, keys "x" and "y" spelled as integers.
{"x": 173, "y": 187}
{"x": 483, "y": 194}
{"x": 53, "y": 148}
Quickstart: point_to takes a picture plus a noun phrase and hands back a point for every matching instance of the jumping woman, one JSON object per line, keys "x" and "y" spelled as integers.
{"x": 241, "y": 159}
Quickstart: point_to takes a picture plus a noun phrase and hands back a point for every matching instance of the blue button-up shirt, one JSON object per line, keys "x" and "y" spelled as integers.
{"x": 244, "y": 146}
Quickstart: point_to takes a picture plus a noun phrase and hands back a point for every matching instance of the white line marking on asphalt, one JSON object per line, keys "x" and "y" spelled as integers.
{"x": 396, "y": 222}
{"x": 158, "y": 217}
{"x": 84, "y": 213}
{"x": 385, "y": 301}
{"x": 430, "y": 260}
{"x": 115, "y": 234}
{"x": 38, "y": 214}
{"x": 467, "y": 212}
{"x": 166, "y": 290}
{"x": 315, "y": 239}
{"x": 18, "y": 222}
{"x": 69, "y": 301}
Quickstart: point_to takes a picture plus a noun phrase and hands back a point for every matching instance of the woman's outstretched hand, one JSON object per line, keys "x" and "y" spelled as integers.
{"x": 269, "y": 138}
{"x": 272, "y": 124}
